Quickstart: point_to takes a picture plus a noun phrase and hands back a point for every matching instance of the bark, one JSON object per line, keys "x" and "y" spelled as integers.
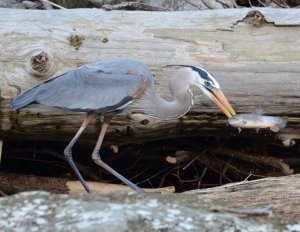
{"x": 256, "y": 63}
{"x": 283, "y": 193}
{"x": 11, "y": 183}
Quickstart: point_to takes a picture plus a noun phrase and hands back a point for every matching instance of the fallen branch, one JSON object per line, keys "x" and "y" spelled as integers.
{"x": 264, "y": 159}
{"x": 134, "y": 6}
{"x": 283, "y": 193}
{"x": 11, "y": 183}
{"x": 53, "y": 4}
{"x": 245, "y": 211}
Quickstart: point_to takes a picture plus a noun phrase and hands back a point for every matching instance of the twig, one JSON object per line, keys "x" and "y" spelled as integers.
{"x": 248, "y": 177}
{"x": 1, "y": 146}
{"x": 134, "y": 6}
{"x": 55, "y": 154}
{"x": 207, "y": 4}
{"x": 53, "y": 4}
{"x": 250, "y": 3}
{"x": 201, "y": 177}
{"x": 241, "y": 171}
{"x": 226, "y": 4}
{"x": 180, "y": 156}
{"x": 246, "y": 211}
{"x": 162, "y": 181}
{"x": 3, "y": 194}
{"x": 204, "y": 160}
{"x": 262, "y": 3}
{"x": 267, "y": 160}
{"x": 193, "y": 4}
{"x": 278, "y": 4}
{"x": 194, "y": 159}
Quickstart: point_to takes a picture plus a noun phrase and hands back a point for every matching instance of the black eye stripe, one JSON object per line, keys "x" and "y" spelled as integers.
{"x": 202, "y": 73}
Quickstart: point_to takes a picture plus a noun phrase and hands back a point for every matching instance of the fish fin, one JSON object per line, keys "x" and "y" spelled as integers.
{"x": 239, "y": 129}
{"x": 257, "y": 111}
{"x": 257, "y": 130}
{"x": 275, "y": 128}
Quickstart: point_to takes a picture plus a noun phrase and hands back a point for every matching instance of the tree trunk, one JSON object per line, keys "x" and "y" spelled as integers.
{"x": 283, "y": 193}
{"x": 11, "y": 183}
{"x": 255, "y": 59}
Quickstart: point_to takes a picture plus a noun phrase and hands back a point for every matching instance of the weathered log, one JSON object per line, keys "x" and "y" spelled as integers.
{"x": 11, "y": 183}
{"x": 256, "y": 65}
{"x": 123, "y": 211}
{"x": 283, "y": 193}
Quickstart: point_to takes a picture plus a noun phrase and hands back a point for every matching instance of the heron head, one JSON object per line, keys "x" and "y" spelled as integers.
{"x": 211, "y": 88}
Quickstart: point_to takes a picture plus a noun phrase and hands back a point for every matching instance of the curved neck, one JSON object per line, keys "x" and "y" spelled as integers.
{"x": 180, "y": 105}
{"x": 182, "y": 100}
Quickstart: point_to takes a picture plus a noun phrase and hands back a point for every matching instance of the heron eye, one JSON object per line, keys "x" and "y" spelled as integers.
{"x": 206, "y": 83}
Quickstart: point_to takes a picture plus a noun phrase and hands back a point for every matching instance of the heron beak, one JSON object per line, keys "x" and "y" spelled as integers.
{"x": 219, "y": 98}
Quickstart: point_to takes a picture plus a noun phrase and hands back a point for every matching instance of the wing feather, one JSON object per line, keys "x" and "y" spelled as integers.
{"x": 95, "y": 87}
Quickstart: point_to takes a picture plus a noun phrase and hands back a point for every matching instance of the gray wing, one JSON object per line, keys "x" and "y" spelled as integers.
{"x": 97, "y": 87}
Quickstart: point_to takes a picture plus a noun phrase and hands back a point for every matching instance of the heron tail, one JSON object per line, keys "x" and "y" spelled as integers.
{"x": 23, "y": 99}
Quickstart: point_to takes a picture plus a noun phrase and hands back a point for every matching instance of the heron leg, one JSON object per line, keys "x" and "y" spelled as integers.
{"x": 68, "y": 149}
{"x": 97, "y": 159}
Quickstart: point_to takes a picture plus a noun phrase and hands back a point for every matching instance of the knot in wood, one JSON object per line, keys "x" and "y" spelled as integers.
{"x": 255, "y": 18}
{"x": 145, "y": 122}
{"x": 41, "y": 64}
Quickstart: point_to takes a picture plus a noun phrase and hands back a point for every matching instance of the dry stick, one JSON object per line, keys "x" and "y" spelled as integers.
{"x": 201, "y": 177}
{"x": 193, "y": 4}
{"x": 246, "y": 211}
{"x": 262, "y": 3}
{"x": 3, "y": 194}
{"x": 241, "y": 171}
{"x": 224, "y": 170}
{"x": 134, "y": 5}
{"x": 207, "y": 4}
{"x": 226, "y": 4}
{"x": 278, "y": 4}
{"x": 194, "y": 159}
{"x": 162, "y": 181}
{"x": 267, "y": 160}
{"x": 53, "y": 4}
{"x": 247, "y": 177}
{"x": 205, "y": 160}
{"x": 1, "y": 146}
{"x": 55, "y": 154}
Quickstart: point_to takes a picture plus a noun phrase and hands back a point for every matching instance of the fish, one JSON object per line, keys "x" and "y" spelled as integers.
{"x": 257, "y": 120}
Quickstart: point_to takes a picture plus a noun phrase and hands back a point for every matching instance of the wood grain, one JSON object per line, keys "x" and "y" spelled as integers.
{"x": 283, "y": 193}
{"x": 257, "y": 66}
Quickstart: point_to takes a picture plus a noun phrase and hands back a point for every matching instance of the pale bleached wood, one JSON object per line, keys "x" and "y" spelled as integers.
{"x": 76, "y": 187}
{"x": 11, "y": 183}
{"x": 283, "y": 193}
{"x": 256, "y": 66}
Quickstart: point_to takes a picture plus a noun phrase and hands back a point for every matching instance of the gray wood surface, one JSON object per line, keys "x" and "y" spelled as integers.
{"x": 257, "y": 66}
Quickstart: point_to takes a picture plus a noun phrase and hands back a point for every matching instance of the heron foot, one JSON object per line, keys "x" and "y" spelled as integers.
{"x": 68, "y": 155}
{"x": 97, "y": 159}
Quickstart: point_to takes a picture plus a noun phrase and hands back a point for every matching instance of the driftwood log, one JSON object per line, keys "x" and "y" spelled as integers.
{"x": 283, "y": 193}
{"x": 256, "y": 59}
{"x": 11, "y": 183}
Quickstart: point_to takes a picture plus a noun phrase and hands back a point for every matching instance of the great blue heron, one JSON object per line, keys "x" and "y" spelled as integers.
{"x": 120, "y": 86}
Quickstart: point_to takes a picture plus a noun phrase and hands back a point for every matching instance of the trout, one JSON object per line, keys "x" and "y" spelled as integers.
{"x": 257, "y": 121}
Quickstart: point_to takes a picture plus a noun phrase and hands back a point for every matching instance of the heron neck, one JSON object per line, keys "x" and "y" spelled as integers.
{"x": 182, "y": 100}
